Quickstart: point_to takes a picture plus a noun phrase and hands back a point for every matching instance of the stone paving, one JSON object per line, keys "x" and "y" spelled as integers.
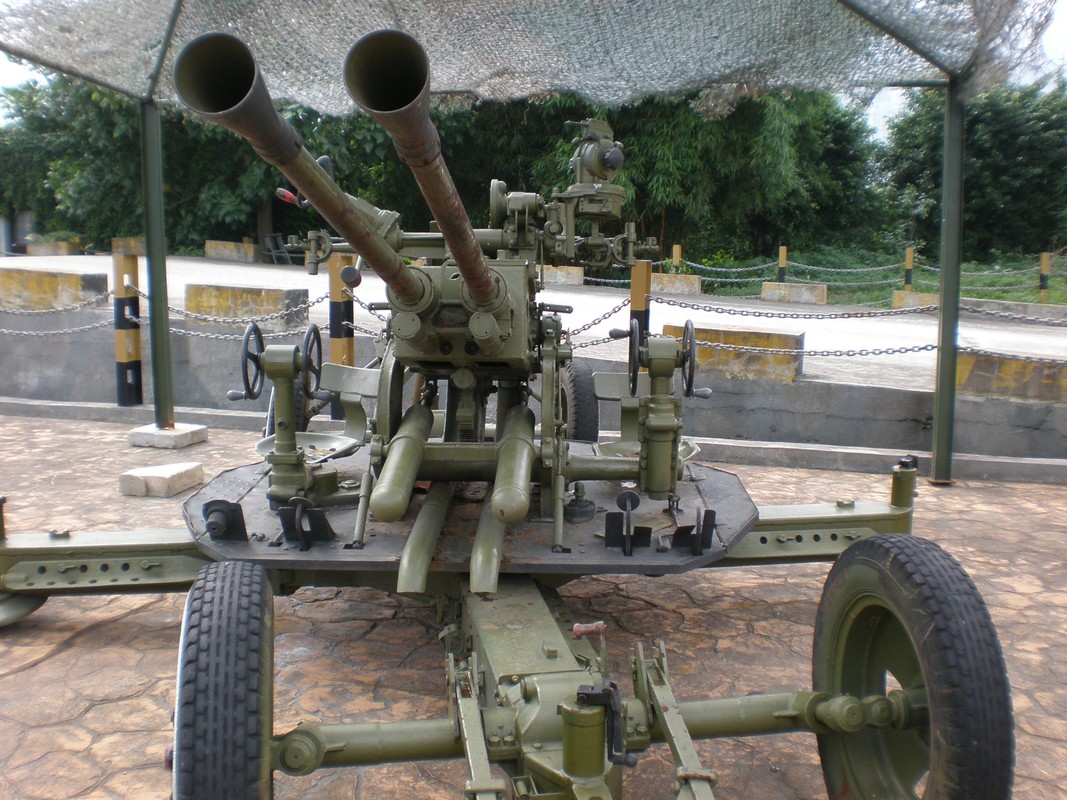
{"x": 86, "y": 684}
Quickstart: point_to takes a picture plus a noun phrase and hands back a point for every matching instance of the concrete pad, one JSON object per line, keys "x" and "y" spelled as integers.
{"x": 181, "y": 435}
{"x": 794, "y": 292}
{"x": 165, "y": 480}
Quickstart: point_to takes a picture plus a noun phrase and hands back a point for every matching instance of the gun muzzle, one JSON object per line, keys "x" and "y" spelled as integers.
{"x": 216, "y": 76}
{"x": 388, "y": 75}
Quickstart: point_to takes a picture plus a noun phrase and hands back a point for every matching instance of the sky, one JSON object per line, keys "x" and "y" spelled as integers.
{"x": 885, "y": 105}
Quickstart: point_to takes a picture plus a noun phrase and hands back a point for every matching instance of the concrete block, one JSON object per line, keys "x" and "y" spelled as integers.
{"x": 165, "y": 480}
{"x": 740, "y": 364}
{"x": 794, "y": 292}
{"x": 181, "y": 435}
{"x": 243, "y": 252}
{"x": 39, "y": 290}
{"x": 247, "y": 301}
{"x": 73, "y": 248}
{"x": 563, "y": 276}
{"x": 1011, "y": 376}
{"x": 668, "y": 283}
{"x": 914, "y": 299}
{"x": 128, "y": 245}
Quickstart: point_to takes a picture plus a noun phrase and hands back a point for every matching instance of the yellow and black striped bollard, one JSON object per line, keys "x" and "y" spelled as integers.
{"x": 127, "y": 305}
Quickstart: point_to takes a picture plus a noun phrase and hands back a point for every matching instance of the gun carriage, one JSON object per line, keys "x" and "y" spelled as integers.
{"x": 460, "y": 474}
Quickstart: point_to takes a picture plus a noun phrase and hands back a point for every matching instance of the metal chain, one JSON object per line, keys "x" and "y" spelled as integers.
{"x": 65, "y": 332}
{"x": 1058, "y": 362}
{"x": 705, "y": 268}
{"x": 606, "y": 281}
{"x": 988, "y": 312}
{"x": 887, "y": 282}
{"x": 769, "y": 351}
{"x": 603, "y": 317}
{"x": 19, "y": 312}
{"x": 359, "y": 329}
{"x": 744, "y": 312}
{"x": 363, "y": 305}
{"x": 706, "y": 279}
{"x": 219, "y": 337}
{"x": 234, "y": 320}
{"x": 592, "y": 343}
{"x": 844, "y": 269}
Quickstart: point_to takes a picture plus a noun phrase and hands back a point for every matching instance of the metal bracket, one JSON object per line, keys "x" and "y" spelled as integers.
{"x": 481, "y": 785}
{"x": 619, "y": 530}
{"x": 294, "y": 514}
{"x": 225, "y": 520}
{"x": 696, "y": 538}
{"x": 607, "y": 695}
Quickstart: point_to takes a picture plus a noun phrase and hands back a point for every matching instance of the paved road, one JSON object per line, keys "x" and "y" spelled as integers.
{"x": 912, "y": 370}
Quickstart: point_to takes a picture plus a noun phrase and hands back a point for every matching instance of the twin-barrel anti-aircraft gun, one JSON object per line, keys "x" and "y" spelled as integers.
{"x": 424, "y": 492}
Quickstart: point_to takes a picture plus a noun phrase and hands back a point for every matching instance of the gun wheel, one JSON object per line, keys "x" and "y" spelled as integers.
{"x": 899, "y": 615}
{"x": 579, "y": 407}
{"x": 224, "y": 710}
{"x": 300, "y": 406}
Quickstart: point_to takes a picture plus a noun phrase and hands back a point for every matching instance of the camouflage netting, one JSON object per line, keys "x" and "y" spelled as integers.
{"x": 610, "y": 51}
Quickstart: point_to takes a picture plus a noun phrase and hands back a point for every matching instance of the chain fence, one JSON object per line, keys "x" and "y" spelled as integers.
{"x": 845, "y": 279}
{"x": 617, "y": 309}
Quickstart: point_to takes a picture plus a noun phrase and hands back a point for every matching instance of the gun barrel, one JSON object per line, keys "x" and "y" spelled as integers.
{"x": 217, "y": 77}
{"x": 387, "y": 73}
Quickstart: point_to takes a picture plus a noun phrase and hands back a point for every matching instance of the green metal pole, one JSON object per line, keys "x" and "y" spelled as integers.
{"x": 156, "y": 252}
{"x": 951, "y": 247}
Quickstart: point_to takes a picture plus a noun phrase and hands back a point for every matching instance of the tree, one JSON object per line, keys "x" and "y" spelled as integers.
{"x": 1015, "y": 167}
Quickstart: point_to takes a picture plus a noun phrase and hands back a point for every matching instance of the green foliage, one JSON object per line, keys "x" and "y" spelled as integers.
{"x": 1015, "y": 168}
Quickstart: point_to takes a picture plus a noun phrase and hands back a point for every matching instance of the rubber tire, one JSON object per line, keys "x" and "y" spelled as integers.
{"x": 223, "y": 717}
{"x": 916, "y": 600}
{"x": 579, "y": 407}
{"x": 300, "y": 402}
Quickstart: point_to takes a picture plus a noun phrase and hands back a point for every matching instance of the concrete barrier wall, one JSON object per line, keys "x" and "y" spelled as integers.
{"x": 775, "y": 292}
{"x": 747, "y": 364}
{"x": 79, "y": 367}
{"x": 37, "y": 290}
{"x": 242, "y": 252}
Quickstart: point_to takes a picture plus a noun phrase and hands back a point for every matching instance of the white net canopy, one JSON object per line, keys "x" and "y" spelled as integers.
{"x": 609, "y": 51}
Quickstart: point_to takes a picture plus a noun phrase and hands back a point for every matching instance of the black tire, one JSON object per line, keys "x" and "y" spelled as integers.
{"x": 300, "y": 403}
{"x": 224, "y": 710}
{"x": 900, "y": 609}
{"x": 578, "y": 405}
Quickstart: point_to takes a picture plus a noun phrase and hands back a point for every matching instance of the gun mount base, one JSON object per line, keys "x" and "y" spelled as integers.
{"x": 528, "y": 544}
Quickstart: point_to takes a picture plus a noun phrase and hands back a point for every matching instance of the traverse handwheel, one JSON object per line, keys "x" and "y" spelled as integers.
{"x": 251, "y": 370}
{"x": 634, "y": 360}
{"x": 688, "y": 358}
{"x": 311, "y": 360}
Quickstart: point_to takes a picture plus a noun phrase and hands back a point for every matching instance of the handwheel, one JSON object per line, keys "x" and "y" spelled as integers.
{"x": 251, "y": 349}
{"x": 224, "y": 710}
{"x": 311, "y": 360}
{"x": 634, "y": 356}
{"x": 899, "y": 615}
{"x": 688, "y": 358}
